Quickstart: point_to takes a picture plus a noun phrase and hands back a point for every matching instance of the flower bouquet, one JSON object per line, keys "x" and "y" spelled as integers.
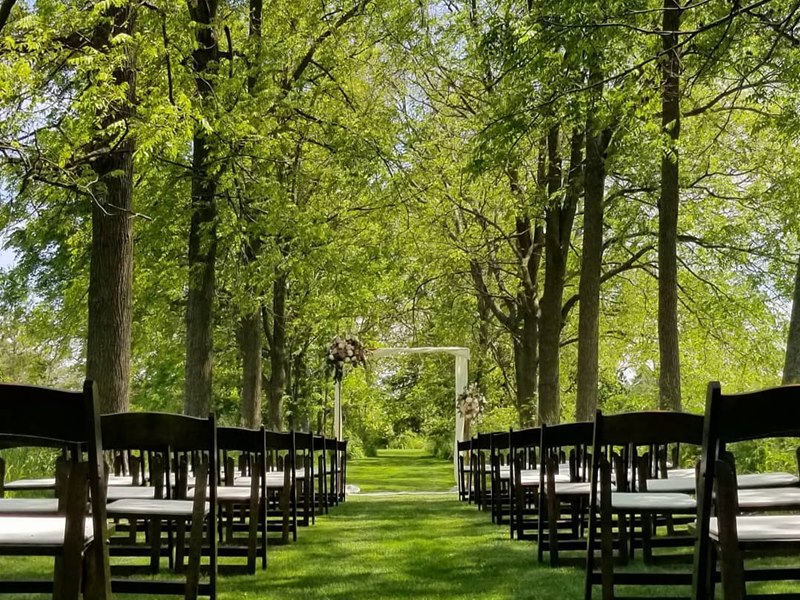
{"x": 346, "y": 351}
{"x": 471, "y": 403}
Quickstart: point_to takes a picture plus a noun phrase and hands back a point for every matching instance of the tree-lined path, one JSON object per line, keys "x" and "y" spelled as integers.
{"x": 405, "y": 546}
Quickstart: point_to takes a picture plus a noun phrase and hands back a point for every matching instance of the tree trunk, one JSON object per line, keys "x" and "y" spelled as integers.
{"x": 526, "y": 359}
{"x": 791, "y": 367}
{"x": 250, "y": 340}
{"x": 591, "y": 264}
{"x": 250, "y": 347}
{"x": 559, "y": 217}
{"x": 108, "y": 346}
{"x": 203, "y": 228}
{"x": 669, "y": 381}
{"x": 277, "y": 354}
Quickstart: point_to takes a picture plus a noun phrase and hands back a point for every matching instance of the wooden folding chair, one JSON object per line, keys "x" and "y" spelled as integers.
{"x": 524, "y": 481}
{"x": 464, "y": 449}
{"x": 178, "y": 446}
{"x": 281, "y": 499}
{"x": 628, "y": 441}
{"x": 500, "y": 476}
{"x": 730, "y": 537}
{"x": 563, "y": 497}
{"x": 41, "y": 417}
{"x": 241, "y": 497}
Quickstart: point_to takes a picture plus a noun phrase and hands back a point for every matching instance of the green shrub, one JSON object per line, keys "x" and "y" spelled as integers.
{"x": 441, "y": 445}
{"x": 408, "y": 440}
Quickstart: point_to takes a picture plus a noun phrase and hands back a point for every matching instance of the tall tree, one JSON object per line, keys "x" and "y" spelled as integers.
{"x": 250, "y": 325}
{"x": 597, "y": 140}
{"x": 108, "y": 348}
{"x": 203, "y": 228}
{"x": 669, "y": 380}
{"x": 559, "y": 217}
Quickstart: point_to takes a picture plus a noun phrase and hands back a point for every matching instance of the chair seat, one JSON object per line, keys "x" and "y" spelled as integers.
{"x": 763, "y": 528}
{"x": 274, "y": 480}
{"x": 765, "y": 480}
{"x": 652, "y": 502}
{"x": 36, "y": 531}
{"x": 23, "y": 506}
{"x": 125, "y": 492}
{"x": 228, "y": 493}
{"x": 763, "y": 498}
{"x": 145, "y": 508}
{"x": 45, "y": 483}
{"x": 573, "y": 489}
{"x": 680, "y": 484}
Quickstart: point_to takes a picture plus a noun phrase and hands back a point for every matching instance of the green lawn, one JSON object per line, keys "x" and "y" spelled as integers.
{"x": 401, "y": 470}
{"x": 397, "y": 546}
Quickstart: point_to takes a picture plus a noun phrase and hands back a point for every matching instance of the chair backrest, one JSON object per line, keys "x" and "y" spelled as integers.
{"x": 241, "y": 439}
{"x": 768, "y": 413}
{"x": 158, "y": 431}
{"x": 575, "y": 437}
{"x": 525, "y": 438}
{"x": 648, "y": 428}
{"x": 37, "y": 416}
{"x": 166, "y": 435}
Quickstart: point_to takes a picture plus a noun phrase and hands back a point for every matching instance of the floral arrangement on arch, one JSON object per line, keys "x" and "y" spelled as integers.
{"x": 471, "y": 403}
{"x": 346, "y": 351}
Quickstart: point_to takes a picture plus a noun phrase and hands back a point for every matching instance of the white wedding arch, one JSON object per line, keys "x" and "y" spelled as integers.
{"x": 461, "y": 379}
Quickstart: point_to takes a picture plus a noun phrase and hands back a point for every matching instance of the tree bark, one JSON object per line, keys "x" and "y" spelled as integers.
{"x": 277, "y": 354}
{"x": 559, "y": 217}
{"x": 526, "y": 359}
{"x": 669, "y": 381}
{"x": 591, "y": 265}
{"x": 250, "y": 347}
{"x": 791, "y": 366}
{"x": 250, "y": 325}
{"x": 108, "y": 345}
{"x": 203, "y": 228}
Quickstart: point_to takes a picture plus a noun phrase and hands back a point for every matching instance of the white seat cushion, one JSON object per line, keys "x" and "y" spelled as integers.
{"x": 23, "y": 531}
{"x": 228, "y": 493}
{"x": 679, "y": 484}
{"x": 763, "y": 528}
{"x": 122, "y": 492}
{"x": 274, "y": 480}
{"x": 653, "y": 502}
{"x": 782, "y": 497}
{"x": 144, "y": 508}
{"x": 46, "y": 483}
{"x": 764, "y": 480}
{"x": 573, "y": 489}
{"x": 28, "y": 505}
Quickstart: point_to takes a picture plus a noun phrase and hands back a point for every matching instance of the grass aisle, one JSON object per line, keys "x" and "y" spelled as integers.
{"x": 405, "y": 546}
{"x": 389, "y": 547}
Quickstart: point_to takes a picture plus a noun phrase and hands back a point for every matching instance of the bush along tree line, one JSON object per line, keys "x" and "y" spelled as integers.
{"x": 599, "y": 198}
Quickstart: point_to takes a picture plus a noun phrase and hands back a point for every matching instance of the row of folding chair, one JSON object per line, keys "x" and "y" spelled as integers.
{"x": 631, "y": 486}
{"x": 182, "y": 489}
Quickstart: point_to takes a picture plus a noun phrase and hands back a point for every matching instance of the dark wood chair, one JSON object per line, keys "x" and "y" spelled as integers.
{"x": 304, "y": 480}
{"x": 178, "y": 446}
{"x": 524, "y": 481}
{"x": 730, "y": 537}
{"x": 500, "y": 476}
{"x": 563, "y": 489}
{"x": 281, "y": 499}
{"x": 332, "y": 470}
{"x": 320, "y": 461}
{"x": 464, "y": 451}
{"x": 41, "y": 417}
{"x": 241, "y": 497}
{"x": 622, "y": 463}
{"x": 342, "y": 481}
{"x": 481, "y": 448}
